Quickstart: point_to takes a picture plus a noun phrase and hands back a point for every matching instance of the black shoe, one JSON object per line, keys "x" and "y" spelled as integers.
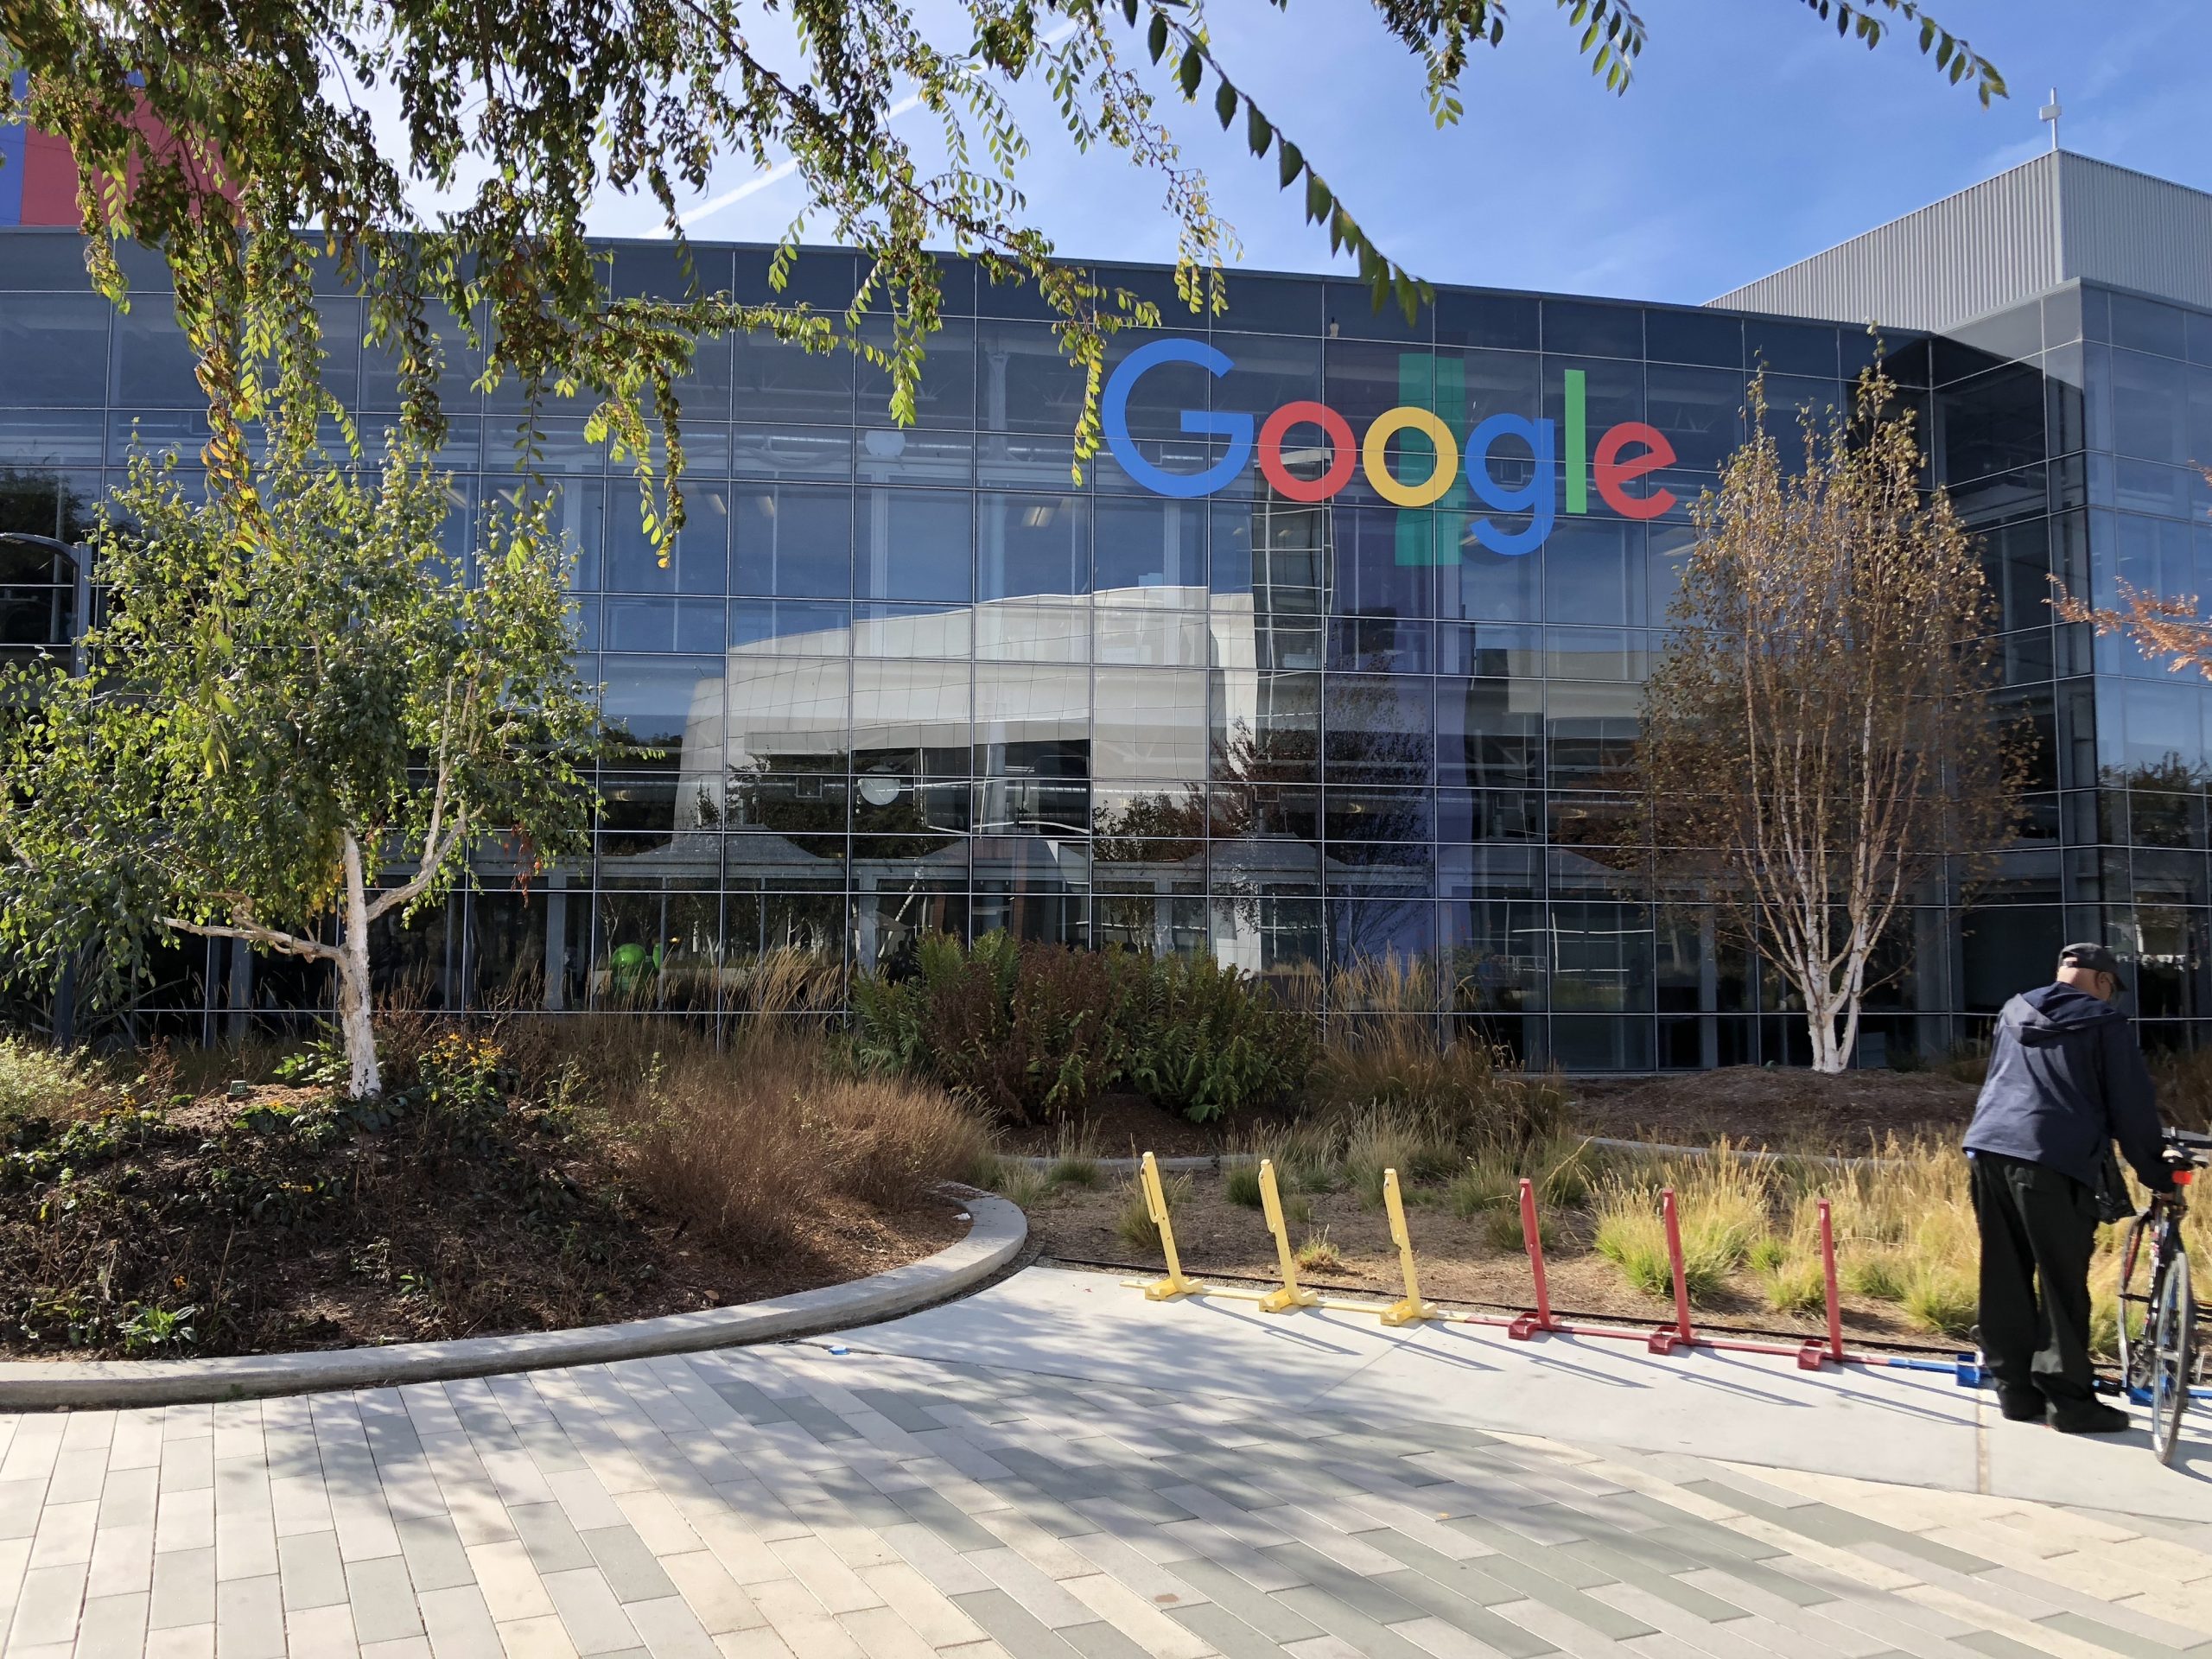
{"x": 2091, "y": 1417}
{"x": 2022, "y": 1405}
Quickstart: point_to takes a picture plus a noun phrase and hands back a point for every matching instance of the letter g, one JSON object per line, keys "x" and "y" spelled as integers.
{"x": 1114, "y": 411}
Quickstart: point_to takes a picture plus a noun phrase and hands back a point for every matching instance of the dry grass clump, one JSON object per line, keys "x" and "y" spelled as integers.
{"x": 1467, "y": 1091}
{"x": 1722, "y": 1205}
{"x": 1563, "y": 1166}
{"x": 36, "y": 1081}
{"x": 744, "y": 1141}
{"x": 1133, "y": 1223}
{"x": 1905, "y": 1232}
{"x": 1319, "y": 1255}
{"x": 1416, "y": 1143}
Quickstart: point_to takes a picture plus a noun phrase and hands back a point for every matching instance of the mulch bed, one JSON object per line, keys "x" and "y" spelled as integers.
{"x": 282, "y": 1230}
{"x": 1792, "y": 1110}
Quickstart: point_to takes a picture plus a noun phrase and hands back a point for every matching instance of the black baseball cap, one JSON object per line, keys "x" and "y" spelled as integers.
{"x": 2096, "y": 958}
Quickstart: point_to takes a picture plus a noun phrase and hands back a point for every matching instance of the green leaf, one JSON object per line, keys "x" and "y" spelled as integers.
{"x": 1258, "y": 135}
{"x": 1224, "y": 103}
{"x": 1290, "y": 162}
{"x": 1190, "y": 71}
{"x": 1156, "y": 36}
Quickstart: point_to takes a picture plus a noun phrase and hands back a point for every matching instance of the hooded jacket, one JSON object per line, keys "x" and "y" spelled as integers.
{"x": 2065, "y": 1078}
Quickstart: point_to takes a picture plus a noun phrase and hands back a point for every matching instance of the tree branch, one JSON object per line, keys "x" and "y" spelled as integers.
{"x": 253, "y": 933}
{"x": 433, "y": 857}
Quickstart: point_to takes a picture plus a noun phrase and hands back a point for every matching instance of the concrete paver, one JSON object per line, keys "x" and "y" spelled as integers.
{"x": 1057, "y": 1468}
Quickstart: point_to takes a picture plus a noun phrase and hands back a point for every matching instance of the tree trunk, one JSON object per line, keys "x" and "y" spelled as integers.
{"x": 1823, "y": 1002}
{"x": 353, "y": 981}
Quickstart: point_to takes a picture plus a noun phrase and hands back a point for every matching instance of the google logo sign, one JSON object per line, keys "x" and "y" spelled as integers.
{"x": 1623, "y": 454}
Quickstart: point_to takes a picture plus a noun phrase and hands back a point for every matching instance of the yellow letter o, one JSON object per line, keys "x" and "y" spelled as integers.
{"x": 1373, "y": 454}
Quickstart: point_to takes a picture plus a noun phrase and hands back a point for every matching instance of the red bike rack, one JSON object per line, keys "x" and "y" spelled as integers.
{"x": 1532, "y": 1238}
{"x": 1813, "y": 1355}
{"x": 1681, "y": 1335}
{"x": 1668, "y": 1337}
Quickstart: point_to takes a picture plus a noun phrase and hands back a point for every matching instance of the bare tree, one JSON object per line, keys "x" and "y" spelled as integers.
{"x": 1821, "y": 732}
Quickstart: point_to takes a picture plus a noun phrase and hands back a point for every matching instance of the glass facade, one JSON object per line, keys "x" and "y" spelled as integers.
{"x": 891, "y": 681}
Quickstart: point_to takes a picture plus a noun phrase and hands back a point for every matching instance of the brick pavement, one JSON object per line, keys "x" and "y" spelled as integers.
{"x": 790, "y": 1501}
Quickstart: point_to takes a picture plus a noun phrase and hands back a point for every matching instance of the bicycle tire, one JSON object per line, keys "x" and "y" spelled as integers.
{"x": 2173, "y": 1348}
{"x": 2134, "y": 1369}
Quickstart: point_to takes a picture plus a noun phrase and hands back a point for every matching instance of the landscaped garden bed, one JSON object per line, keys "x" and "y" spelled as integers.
{"x": 522, "y": 1177}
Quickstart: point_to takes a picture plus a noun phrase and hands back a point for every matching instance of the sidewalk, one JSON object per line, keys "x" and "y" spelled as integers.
{"x": 1057, "y": 1468}
{"x": 1912, "y": 1427}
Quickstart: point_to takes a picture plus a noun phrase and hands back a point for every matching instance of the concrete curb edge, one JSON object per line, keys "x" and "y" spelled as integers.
{"x": 995, "y": 1236}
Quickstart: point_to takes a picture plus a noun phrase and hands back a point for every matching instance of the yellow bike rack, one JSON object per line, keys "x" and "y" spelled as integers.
{"x": 1410, "y": 1309}
{"x": 1155, "y": 1204}
{"x": 1292, "y": 1294}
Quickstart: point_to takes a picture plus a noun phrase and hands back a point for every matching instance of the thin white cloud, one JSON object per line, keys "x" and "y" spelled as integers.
{"x": 781, "y": 170}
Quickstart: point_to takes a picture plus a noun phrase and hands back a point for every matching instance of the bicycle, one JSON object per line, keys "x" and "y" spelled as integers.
{"x": 2158, "y": 1366}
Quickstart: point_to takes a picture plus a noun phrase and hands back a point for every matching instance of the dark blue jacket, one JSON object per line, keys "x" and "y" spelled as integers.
{"x": 2065, "y": 1077}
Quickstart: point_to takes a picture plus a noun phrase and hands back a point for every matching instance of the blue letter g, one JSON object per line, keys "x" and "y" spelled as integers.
{"x": 1115, "y": 412}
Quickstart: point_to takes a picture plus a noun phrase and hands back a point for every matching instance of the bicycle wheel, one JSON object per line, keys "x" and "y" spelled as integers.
{"x": 2173, "y": 1344}
{"x": 2135, "y": 1286}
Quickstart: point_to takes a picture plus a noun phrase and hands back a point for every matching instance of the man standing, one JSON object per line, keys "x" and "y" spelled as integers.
{"x": 2066, "y": 1080}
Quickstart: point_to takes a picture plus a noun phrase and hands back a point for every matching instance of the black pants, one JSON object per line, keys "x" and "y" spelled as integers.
{"x": 2036, "y": 1223}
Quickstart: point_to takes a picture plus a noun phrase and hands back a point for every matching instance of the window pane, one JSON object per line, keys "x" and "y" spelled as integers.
{"x": 794, "y": 541}
{"x": 1377, "y": 729}
{"x": 1156, "y": 543}
{"x": 1024, "y": 384}
{"x": 771, "y": 381}
{"x": 1033, "y": 544}
{"x": 56, "y": 348}
{"x": 698, "y": 562}
{"x": 1151, "y": 723}
{"x": 1032, "y": 720}
{"x": 914, "y": 544}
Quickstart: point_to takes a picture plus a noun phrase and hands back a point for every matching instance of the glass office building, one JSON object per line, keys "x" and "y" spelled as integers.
{"x": 1232, "y": 691}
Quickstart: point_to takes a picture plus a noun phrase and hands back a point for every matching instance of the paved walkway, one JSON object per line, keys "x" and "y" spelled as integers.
{"x": 1057, "y": 1468}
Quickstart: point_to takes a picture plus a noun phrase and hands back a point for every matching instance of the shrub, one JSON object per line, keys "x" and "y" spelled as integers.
{"x": 1035, "y": 1032}
{"x": 1210, "y": 1041}
{"x": 1469, "y": 1092}
{"x": 1483, "y": 1186}
{"x": 1075, "y": 1162}
{"x": 1241, "y": 1185}
{"x": 1634, "y": 1241}
{"x": 1319, "y": 1255}
{"x": 1502, "y": 1229}
{"x": 1022, "y": 1184}
{"x": 1027, "y": 1031}
{"x": 1561, "y": 1166}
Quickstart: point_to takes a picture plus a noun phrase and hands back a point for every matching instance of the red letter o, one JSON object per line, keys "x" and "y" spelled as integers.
{"x": 1346, "y": 453}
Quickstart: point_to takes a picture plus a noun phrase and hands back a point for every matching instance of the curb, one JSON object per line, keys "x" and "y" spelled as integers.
{"x": 995, "y": 1238}
{"x": 1121, "y": 1166}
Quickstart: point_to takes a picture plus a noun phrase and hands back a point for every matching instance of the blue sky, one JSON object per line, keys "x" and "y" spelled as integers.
{"x": 1751, "y": 137}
